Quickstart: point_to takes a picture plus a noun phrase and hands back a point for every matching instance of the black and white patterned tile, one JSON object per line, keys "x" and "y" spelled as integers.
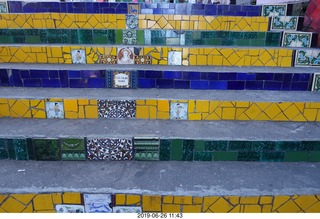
{"x": 121, "y": 149}
{"x": 97, "y": 149}
{"x": 117, "y": 108}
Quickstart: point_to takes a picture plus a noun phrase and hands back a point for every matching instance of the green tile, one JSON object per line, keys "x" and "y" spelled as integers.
{"x": 165, "y": 149}
{"x": 3, "y": 150}
{"x": 228, "y": 42}
{"x": 249, "y": 156}
{"x": 199, "y": 145}
{"x": 54, "y": 36}
{"x": 30, "y": 147}
{"x": 213, "y": 42}
{"x": 225, "y": 156}
{"x": 73, "y": 155}
{"x": 221, "y": 34}
{"x": 216, "y": 146}
{"x": 46, "y": 149}
{"x": 295, "y": 156}
{"x": 103, "y": 37}
{"x": 236, "y": 35}
{"x": 197, "y": 35}
{"x": 158, "y": 41}
{"x": 250, "y": 35}
{"x": 72, "y": 144}
{"x": 140, "y": 37}
{"x": 21, "y": 149}
{"x": 74, "y": 37}
{"x": 240, "y": 146}
{"x": 273, "y": 39}
{"x": 119, "y": 37}
{"x": 188, "y": 38}
{"x": 272, "y": 156}
{"x": 257, "y": 42}
{"x": 203, "y": 156}
{"x": 176, "y": 149}
{"x": 287, "y": 146}
{"x": 310, "y": 146}
{"x": 242, "y": 42}
{"x": 11, "y": 149}
{"x": 314, "y": 156}
{"x": 188, "y": 148}
{"x": 5, "y": 39}
{"x": 42, "y": 33}
{"x": 111, "y": 36}
{"x": 158, "y": 34}
{"x": 33, "y": 39}
{"x": 85, "y": 36}
{"x": 261, "y": 35}
{"x": 263, "y": 145}
{"x": 66, "y": 36}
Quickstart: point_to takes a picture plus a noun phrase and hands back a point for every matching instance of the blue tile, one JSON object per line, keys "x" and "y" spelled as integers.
{"x": 96, "y": 83}
{"x": 272, "y": 85}
{"x": 304, "y": 77}
{"x": 64, "y": 79}
{"x": 265, "y": 76}
{"x": 78, "y": 83}
{"x": 287, "y": 77}
{"x": 70, "y": 7}
{"x": 164, "y": 83}
{"x": 151, "y": 5}
{"x": 157, "y": 11}
{"x": 51, "y": 83}
{"x": 172, "y": 74}
{"x": 213, "y": 76}
{"x": 63, "y": 7}
{"x": 218, "y": 85}
{"x": 163, "y": 5}
{"x": 153, "y": 74}
{"x": 197, "y": 12}
{"x": 181, "y": 8}
{"x": 179, "y": 84}
{"x": 278, "y": 77}
{"x": 15, "y": 7}
{"x": 91, "y": 74}
{"x": 173, "y": 5}
{"x": 246, "y": 76}
{"x": 4, "y": 79}
{"x": 32, "y": 83}
{"x": 146, "y": 83}
{"x": 39, "y": 74}
{"x": 254, "y": 85}
{"x": 254, "y": 13}
{"x": 236, "y": 85}
{"x": 286, "y": 85}
{"x": 89, "y": 7}
{"x": 191, "y": 75}
{"x": 241, "y": 13}
{"x": 204, "y": 76}
{"x": 141, "y": 74}
{"x": 53, "y": 74}
{"x": 228, "y": 76}
{"x": 296, "y": 77}
{"x": 168, "y": 11}
{"x": 74, "y": 74}
{"x": 108, "y": 11}
{"x": 121, "y": 11}
{"x": 210, "y": 7}
{"x": 121, "y": 5}
{"x": 95, "y": 7}
{"x": 146, "y": 11}
{"x": 299, "y": 86}
{"x": 229, "y": 13}
{"x": 198, "y": 6}
{"x": 25, "y": 74}
{"x": 199, "y": 85}
{"x": 210, "y": 12}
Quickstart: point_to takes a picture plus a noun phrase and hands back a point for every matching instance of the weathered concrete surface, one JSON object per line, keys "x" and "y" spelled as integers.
{"x": 177, "y": 178}
{"x": 214, "y": 130}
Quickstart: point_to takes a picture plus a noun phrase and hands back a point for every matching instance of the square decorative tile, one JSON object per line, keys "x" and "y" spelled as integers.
{"x": 131, "y": 21}
{"x": 78, "y": 56}
{"x": 107, "y": 59}
{"x": 46, "y": 149}
{"x": 146, "y": 148}
{"x": 142, "y": 60}
{"x": 97, "y": 149}
{"x": 125, "y": 55}
{"x": 179, "y": 111}
{"x": 121, "y": 79}
{"x": 274, "y": 10}
{"x": 117, "y": 108}
{"x": 133, "y": 9}
{"x": 284, "y": 23}
{"x": 174, "y": 58}
{"x": 72, "y": 149}
{"x": 307, "y": 57}
{"x": 129, "y": 37}
{"x": 126, "y": 209}
{"x": 120, "y": 149}
{"x": 296, "y": 39}
{"x": 3, "y": 7}
{"x": 126, "y": 109}
{"x": 4, "y": 154}
{"x": 316, "y": 82}
{"x": 97, "y": 203}
{"x": 54, "y": 110}
{"x": 69, "y": 208}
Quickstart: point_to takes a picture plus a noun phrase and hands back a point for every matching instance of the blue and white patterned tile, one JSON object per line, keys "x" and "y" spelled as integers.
{"x": 97, "y": 149}
{"x": 3, "y": 7}
{"x": 120, "y": 149}
{"x": 131, "y": 21}
{"x": 284, "y": 23}
{"x": 97, "y": 203}
{"x": 69, "y": 208}
{"x": 296, "y": 39}
{"x": 129, "y": 37}
{"x": 55, "y": 110}
{"x": 78, "y": 56}
{"x": 316, "y": 82}
{"x": 307, "y": 57}
{"x": 274, "y": 10}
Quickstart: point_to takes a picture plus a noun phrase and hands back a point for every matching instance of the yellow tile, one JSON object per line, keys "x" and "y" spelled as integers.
{"x": 133, "y": 200}
{"x": 81, "y": 112}
{"x": 273, "y": 110}
{"x": 151, "y": 102}
{"x": 46, "y": 211}
{"x": 163, "y": 105}
{"x": 310, "y": 114}
{"x": 252, "y": 209}
{"x": 217, "y": 60}
{"x": 229, "y": 113}
{"x": 28, "y": 209}
{"x": 140, "y": 102}
{"x": 193, "y": 59}
{"x": 202, "y": 106}
{"x": 201, "y": 60}
{"x": 41, "y": 57}
{"x": 185, "y": 25}
{"x": 55, "y": 99}
{"x": 315, "y": 105}
{"x": 142, "y": 112}
{"x": 194, "y": 116}
{"x": 91, "y": 112}
{"x": 167, "y": 208}
{"x": 265, "y": 200}
{"x": 234, "y": 200}
{"x": 306, "y": 201}
{"x": 314, "y": 209}
{"x": 249, "y": 200}
{"x": 151, "y": 203}
{"x": 278, "y": 201}
{"x": 3, "y": 197}
{"x": 3, "y": 100}
{"x": 266, "y": 208}
{"x": 220, "y": 206}
{"x": 163, "y": 115}
{"x": 236, "y": 209}
{"x": 4, "y": 110}
{"x": 152, "y": 112}
{"x": 43, "y": 202}
{"x": 70, "y": 105}
{"x": 71, "y": 198}
{"x": 12, "y": 206}
{"x": 120, "y": 199}
{"x": 56, "y": 52}
{"x": 56, "y": 198}
{"x": 20, "y": 108}
{"x": 71, "y": 115}
{"x": 168, "y": 199}
{"x": 93, "y": 102}
{"x": 202, "y": 25}
{"x": 197, "y": 200}
{"x": 191, "y": 209}
{"x": 83, "y": 101}
{"x": 23, "y": 198}
{"x": 289, "y": 207}
{"x": 185, "y": 200}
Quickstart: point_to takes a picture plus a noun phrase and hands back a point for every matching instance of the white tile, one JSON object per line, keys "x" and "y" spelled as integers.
{"x": 121, "y": 79}
{"x": 78, "y": 56}
{"x": 174, "y": 58}
{"x": 54, "y": 110}
{"x": 69, "y": 208}
{"x": 179, "y": 111}
{"x": 97, "y": 203}
{"x": 125, "y": 209}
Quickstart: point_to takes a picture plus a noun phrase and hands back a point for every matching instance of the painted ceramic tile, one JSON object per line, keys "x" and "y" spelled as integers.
{"x": 120, "y": 149}
{"x": 274, "y": 10}
{"x": 131, "y": 21}
{"x": 174, "y": 58}
{"x": 147, "y": 37}
{"x": 129, "y": 37}
{"x": 4, "y": 154}
{"x": 21, "y": 150}
{"x": 97, "y": 203}
{"x": 142, "y": 60}
{"x": 125, "y": 209}
{"x": 316, "y": 82}
{"x": 126, "y": 109}
{"x": 179, "y": 111}
{"x": 146, "y": 148}
{"x": 133, "y": 9}
{"x": 69, "y": 208}
{"x": 54, "y": 110}
{"x": 296, "y": 39}
{"x": 107, "y": 108}
{"x": 117, "y": 109}
{"x": 107, "y": 59}
{"x": 78, "y": 56}
{"x": 306, "y": 57}
{"x": 284, "y": 23}
{"x": 3, "y": 7}
{"x": 46, "y": 149}
{"x": 121, "y": 79}
{"x": 97, "y": 149}
{"x": 125, "y": 55}
{"x": 72, "y": 149}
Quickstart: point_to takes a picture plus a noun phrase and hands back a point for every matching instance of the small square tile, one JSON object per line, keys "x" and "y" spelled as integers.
{"x": 296, "y": 39}
{"x": 274, "y": 10}
{"x": 46, "y": 149}
{"x": 174, "y": 58}
{"x": 129, "y": 37}
{"x": 107, "y": 108}
{"x": 107, "y": 59}
{"x": 131, "y": 21}
{"x": 316, "y": 82}
{"x": 97, "y": 203}
{"x": 121, "y": 79}
{"x": 126, "y": 109}
{"x": 133, "y": 9}
{"x": 72, "y": 149}
{"x": 97, "y": 149}
{"x": 3, "y": 7}
{"x": 120, "y": 149}
{"x": 179, "y": 111}
{"x": 54, "y": 110}
{"x": 146, "y": 148}
{"x": 125, "y": 209}
{"x": 125, "y": 55}
{"x": 142, "y": 60}
{"x": 69, "y": 208}
{"x": 78, "y": 56}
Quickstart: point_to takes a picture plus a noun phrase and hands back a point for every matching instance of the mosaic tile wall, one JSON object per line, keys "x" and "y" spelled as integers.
{"x": 147, "y": 55}
{"x": 155, "y": 149}
{"x": 156, "y": 79}
{"x": 75, "y": 202}
{"x": 160, "y": 109}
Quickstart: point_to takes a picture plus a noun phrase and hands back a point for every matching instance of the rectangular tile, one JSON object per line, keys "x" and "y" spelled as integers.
{"x": 165, "y": 149}
{"x": 305, "y": 58}
{"x": 4, "y": 154}
{"x": 72, "y": 149}
{"x": 225, "y": 156}
{"x": 146, "y": 148}
{"x": 297, "y": 39}
{"x": 97, "y": 203}
{"x": 46, "y": 149}
{"x": 176, "y": 149}
{"x": 69, "y": 208}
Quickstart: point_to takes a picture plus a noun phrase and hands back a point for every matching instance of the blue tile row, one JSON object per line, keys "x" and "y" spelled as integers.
{"x": 122, "y": 8}
{"x": 158, "y": 79}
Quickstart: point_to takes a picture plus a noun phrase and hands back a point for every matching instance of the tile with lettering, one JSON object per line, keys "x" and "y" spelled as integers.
{"x": 284, "y": 23}
{"x": 316, "y": 82}
{"x": 69, "y": 208}
{"x": 126, "y": 209}
{"x": 54, "y": 110}
{"x": 3, "y": 7}
{"x": 131, "y": 21}
{"x": 121, "y": 79}
{"x": 78, "y": 56}
{"x": 174, "y": 58}
{"x": 97, "y": 203}
{"x": 125, "y": 55}
{"x": 296, "y": 39}
{"x": 274, "y": 10}
{"x": 129, "y": 37}
{"x": 179, "y": 111}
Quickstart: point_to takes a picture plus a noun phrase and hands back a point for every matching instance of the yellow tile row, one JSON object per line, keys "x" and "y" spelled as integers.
{"x": 45, "y": 203}
{"x": 159, "y": 55}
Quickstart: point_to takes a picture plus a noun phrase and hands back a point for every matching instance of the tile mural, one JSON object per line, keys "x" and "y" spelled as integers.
{"x": 284, "y": 23}
{"x": 133, "y": 9}
{"x": 117, "y": 108}
{"x": 72, "y": 149}
{"x": 307, "y": 57}
{"x": 274, "y": 10}
{"x": 78, "y": 56}
{"x": 127, "y": 209}
{"x": 54, "y": 110}
{"x": 125, "y": 55}
{"x": 178, "y": 111}
{"x": 296, "y": 39}
{"x": 69, "y": 208}
{"x": 97, "y": 203}
{"x": 316, "y": 82}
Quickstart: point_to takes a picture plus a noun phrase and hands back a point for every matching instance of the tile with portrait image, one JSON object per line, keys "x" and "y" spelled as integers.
{"x": 133, "y": 9}
{"x": 97, "y": 149}
{"x": 131, "y": 21}
{"x": 54, "y": 110}
{"x": 120, "y": 149}
{"x": 72, "y": 149}
{"x": 97, "y": 203}
{"x": 174, "y": 58}
{"x": 129, "y": 37}
{"x": 3, "y": 7}
{"x": 125, "y": 55}
{"x": 69, "y": 208}
{"x": 127, "y": 209}
{"x": 78, "y": 56}
{"x": 316, "y": 82}
{"x": 178, "y": 111}
{"x": 46, "y": 149}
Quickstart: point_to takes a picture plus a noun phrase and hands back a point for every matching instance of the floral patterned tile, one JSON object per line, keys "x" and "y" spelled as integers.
{"x": 97, "y": 203}
{"x": 179, "y": 111}
{"x": 121, "y": 149}
{"x": 307, "y": 57}
{"x": 274, "y": 10}
{"x": 284, "y": 23}
{"x": 142, "y": 60}
{"x": 54, "y": 110}
{"x": 126, "y": 109}
{"x": 296, "y": 39}
{"x": 69, "y": 208}
{"x": 117, "y": 108}
{"x": 316, "y": 82}
{"x": 125, "y": 55}
{"x": 107, "y": 59}
{"x": 78, "y": 56}
{"x": 129, "y": 37}
{"x": 131, "y": 21}
{"x": 97, "y": 149}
